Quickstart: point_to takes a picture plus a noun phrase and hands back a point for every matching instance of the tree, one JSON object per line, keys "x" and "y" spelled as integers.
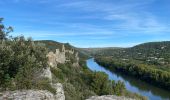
{"x": 20, "y": 60}
{"x": 100, "y": 83}
{"x": 4, "y": 31}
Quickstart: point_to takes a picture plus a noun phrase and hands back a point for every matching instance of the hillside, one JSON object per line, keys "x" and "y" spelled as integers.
{"x": 99, "y": 51}
{"x": 149, "y": 62}
{"x": 153, "y": 53}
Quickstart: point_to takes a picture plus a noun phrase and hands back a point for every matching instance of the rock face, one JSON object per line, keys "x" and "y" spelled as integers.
{"x": 34, "y": 94}
{"x": 27, "y": 95}
{"x": 59, "y": 91}
{"x": 47, "y": 73}
{"x": 76, "y": 64}
{"x": 109, "y": 97}
{"x": 57, "y": 86}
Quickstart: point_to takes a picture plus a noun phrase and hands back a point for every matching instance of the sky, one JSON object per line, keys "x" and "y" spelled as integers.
{"x": 89, "y": 23}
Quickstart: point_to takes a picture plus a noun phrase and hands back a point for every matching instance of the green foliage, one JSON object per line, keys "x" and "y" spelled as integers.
{"x": 44, "y": 84}
{"x": 153, "y": 53}
{"x": 119, "y": 88}
{"x": 4, "y": 31}
{"x": 100, "y": 83}
{"x": 142, "y": 71}
{"x": 134, "y": 95}
{"x": 74, "y": 81}
{"x": 81, "y": 83}
{"x": 149, "y": 62}
{"x": 98, "y": 51}
{"x": 59, "y": 74}
{"x": 20, "y": 60}
{"x": 71, "y": 92}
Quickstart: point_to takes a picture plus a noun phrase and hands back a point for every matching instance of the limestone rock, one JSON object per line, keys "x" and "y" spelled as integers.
{"x": 47, "y": 73}
{"x": 77, "y": 60}
{"x": 109, "y": 97}
{"x": 59, "y": 91}
{"x": 27, "y": 95}
{"x": 34, "y": 94}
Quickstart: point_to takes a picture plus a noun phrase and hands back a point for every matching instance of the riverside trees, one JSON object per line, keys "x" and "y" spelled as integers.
{"x": 145, "y": 72}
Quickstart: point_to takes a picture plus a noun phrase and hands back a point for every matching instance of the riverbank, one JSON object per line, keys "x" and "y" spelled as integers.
{"x": 143, "y": 72}
{"x": 132, "y": 84}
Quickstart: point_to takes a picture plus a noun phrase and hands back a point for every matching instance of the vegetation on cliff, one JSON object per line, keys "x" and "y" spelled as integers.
{"x": 81, "y": 83}
{"x": 21, "y": 60}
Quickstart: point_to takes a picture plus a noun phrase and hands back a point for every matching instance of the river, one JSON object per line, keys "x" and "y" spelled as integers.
{"x": 132, "y": 84}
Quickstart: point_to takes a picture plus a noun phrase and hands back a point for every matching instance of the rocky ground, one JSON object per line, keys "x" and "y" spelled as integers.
{"x": 34, "y": 94}
{"x": 109, "y": 97}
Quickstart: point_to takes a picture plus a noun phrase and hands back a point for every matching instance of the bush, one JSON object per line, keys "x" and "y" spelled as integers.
{"x": 44, "y": 84}
{"x": 20, "y": 60}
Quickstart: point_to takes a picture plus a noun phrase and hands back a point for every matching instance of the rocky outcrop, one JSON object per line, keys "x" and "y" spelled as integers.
{"x": 37, "y": 94}
{"x": 47, "y": 74}
{"x": 34, "y": 94}
{"x": 109, "y": 97}
{"x": 57, "y": 86}
{"x": 76, "y": 64}
{"x": 27, "y": 95}
{"x": 59, "y": 91}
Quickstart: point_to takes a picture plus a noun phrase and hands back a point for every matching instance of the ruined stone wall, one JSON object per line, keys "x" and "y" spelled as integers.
{"x": 60, "y": 57}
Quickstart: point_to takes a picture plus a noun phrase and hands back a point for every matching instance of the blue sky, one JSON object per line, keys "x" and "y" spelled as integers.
{"x": 89, "y": 23}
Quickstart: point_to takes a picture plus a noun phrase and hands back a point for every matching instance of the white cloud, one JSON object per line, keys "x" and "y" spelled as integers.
{"x": 131, "y": 15}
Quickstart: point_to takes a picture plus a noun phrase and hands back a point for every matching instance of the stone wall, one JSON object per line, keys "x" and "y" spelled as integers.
{"x": 60, "y": 57}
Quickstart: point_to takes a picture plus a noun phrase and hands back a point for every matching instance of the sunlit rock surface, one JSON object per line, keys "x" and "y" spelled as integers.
{"x": 34, "y": 94}
{"x": 109, "y": 97}
{"x": 27, "y": 95}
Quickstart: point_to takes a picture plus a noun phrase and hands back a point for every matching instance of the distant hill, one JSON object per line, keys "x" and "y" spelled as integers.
{"x": 53, "y": 45}
{"x": 158, "y": 49}
{"x": 153, "y": 53}
{"x": 99, "y": 51}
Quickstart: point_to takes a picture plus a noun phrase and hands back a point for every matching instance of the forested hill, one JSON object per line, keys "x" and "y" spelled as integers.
{"x": 99, "y": 51}
{"x": 52, "y": 45}
{"x": 149, "y": 62}
{"x": 145, "y": 48}
{"x": 154, "y": 50}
